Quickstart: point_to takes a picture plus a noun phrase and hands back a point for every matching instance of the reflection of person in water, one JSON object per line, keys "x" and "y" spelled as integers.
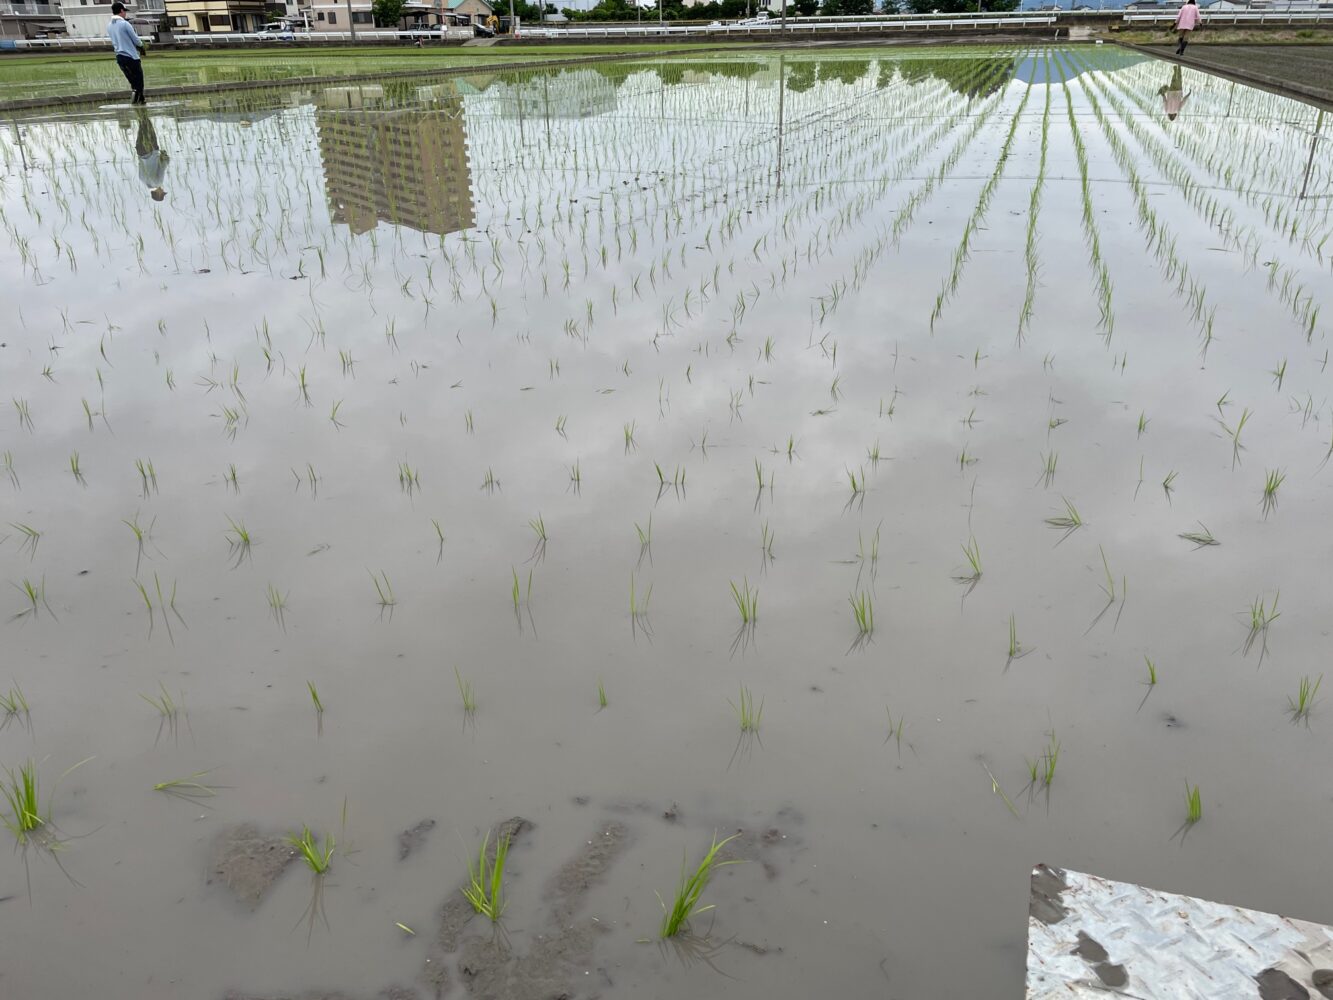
{"x": 152, "y": 160}
{"x": 1173, "y": 95}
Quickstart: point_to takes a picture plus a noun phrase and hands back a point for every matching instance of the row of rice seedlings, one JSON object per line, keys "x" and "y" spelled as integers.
{"x": 974, "y": 222}
{"x": 1101, "y": 274}
{"x": 1034, "y": 210}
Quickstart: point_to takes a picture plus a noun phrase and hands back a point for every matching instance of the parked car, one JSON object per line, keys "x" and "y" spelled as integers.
{"x": 277, "y": 31}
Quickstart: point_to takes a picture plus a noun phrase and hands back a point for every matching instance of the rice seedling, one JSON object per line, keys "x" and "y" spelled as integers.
{"x": 147, "y": 477}
{"x": 302, "y": 386}
{"x": 560, "y": 426}
{"x": 747, "y": 714}
{"x": 1016, "y": 650}
{"x": 24, "y": 415}
{"x": 34, "y": 595}
{"x": 1193, "y": 804}
{"x": 1279, "y": 373}
{"x": 747, "y": 602}
{"x": 333, "y": 415}
{"x": 766, "y": 539}
{"x": 10, "y": 473}
{"x": 316, "y": 858}
{"x": 1068, "y": 522}
{"x": 972, "y": 552}
{"x": 1143, "y": 423}
{"x": 1272, "y": 481}
{"x": 490, "y": 484}
{"x": 630, "y": 444}
{"x": 15, "y": 708}
{"x": 1152, "y": 670}
{"x": 690, "y": 890}
{"x": 20, "y": 793}
{"x": 863, "y": 613}
{"x": 1168, "y": 484}
{"x": 466, "y": 693}
{"x": 485, "y": 885}
{"x": 1261, "y": 616}
{"x": 467, "y": 422}
{"x": 30, "y": 537}
{"x": 1234, "y": 433}
{"x": 409, "y": 481}
{"x": 1049, "y": 461}
{"x": 895, "y": 729}
{"x": 576, "y": 477}
{"x": 314, "y": 697}
{"x": 858, "y": 486}
{"x": 1303, "y": 703}
{"x": 238, "y": 541}
{"x": 277, "y": 605}
{"x": 1042, "y": 770}
{"x": 168, "y": 710}
{"x": 1201, "y": 538}
{"x": 231, "y": 479}
{"x": 74, "y": 469}
{"x": 404, "y": 928}
{"x": 383, "y": 591}
{"x": 601, "y": 695}
{"x": 189, "y": 787}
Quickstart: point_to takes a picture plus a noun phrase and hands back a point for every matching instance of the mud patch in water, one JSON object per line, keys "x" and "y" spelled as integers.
{"x": 410, "y": 840}
{"x": 249, "y": 861}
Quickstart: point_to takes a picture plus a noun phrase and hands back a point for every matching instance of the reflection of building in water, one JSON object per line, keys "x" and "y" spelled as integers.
{"x": 577, "y": 94}
{"x": 407, "y": 167}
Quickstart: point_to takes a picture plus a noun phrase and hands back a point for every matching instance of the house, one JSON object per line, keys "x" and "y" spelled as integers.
{"x": 335, "y": 15}
{"x": 204, "y": 16}
{"x": 476, "y": 11}
{"x": 29, "y": 20}
{"x": 89, "y": 18}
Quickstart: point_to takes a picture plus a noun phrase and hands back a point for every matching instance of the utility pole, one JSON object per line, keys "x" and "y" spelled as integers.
{"x": 351, "y": 21}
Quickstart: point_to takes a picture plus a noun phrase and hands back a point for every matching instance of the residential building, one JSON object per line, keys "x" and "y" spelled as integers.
{"x": 335, "y": 15}
{"x": 402, "y": 166}
{"x": 89, "y": 18}
{"x": 29, "y": 20}
{"x": 203, "y": 16}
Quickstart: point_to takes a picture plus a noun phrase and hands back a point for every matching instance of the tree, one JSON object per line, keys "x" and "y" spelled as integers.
{"x": 858, "y": 7}
{"x": 387, "y": 13}
{"x": 804, "y": 8}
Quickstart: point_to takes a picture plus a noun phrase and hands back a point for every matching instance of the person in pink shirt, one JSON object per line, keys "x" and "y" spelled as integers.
{"x": 1186, "y": 21}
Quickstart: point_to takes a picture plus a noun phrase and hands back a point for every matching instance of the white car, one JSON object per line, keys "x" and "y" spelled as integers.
{"x": 277, "y": 31}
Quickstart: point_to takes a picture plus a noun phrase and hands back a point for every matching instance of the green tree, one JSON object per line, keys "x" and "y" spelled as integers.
{"x": 387, "y": 13}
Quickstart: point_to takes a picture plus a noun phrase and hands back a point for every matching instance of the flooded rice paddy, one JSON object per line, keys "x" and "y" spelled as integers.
{"x": 470, "y": 451}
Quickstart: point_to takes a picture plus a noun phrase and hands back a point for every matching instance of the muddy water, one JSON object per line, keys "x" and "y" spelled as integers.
{"x": 615, "y": 247}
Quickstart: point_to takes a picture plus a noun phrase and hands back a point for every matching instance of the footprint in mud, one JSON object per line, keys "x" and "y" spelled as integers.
{"x": 554, "y": 965}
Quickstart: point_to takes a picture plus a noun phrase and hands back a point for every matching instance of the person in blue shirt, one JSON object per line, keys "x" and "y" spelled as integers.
{"x": 128, "y": 49}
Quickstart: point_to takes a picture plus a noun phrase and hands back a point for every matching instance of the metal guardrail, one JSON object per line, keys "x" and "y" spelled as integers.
{"x": 898, "y": 22}
{"x": 1276, "y": 16}
{"x": 934, "y": 22}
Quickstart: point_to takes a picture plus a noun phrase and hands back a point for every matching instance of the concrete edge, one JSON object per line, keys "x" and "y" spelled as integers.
{"x": 1322, "y": 99}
